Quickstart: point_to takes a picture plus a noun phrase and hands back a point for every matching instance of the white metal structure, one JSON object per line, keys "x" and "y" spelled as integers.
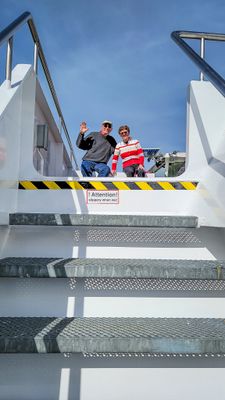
{"x": 113, "y": 376}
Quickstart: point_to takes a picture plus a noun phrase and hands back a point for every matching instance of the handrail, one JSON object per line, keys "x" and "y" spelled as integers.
{"x": 208, "y": 71}
{"x": 7, "y": 35}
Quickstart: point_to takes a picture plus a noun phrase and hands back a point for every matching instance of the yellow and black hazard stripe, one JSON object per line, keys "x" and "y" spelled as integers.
{"x": 112, "y": 185}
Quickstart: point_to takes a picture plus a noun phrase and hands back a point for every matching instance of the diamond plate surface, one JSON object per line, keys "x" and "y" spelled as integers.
{"x": 115, "y": 268}
{"x": 151, "y": 355}
{"x": 158, "y": 236}
{"x": 91, "y": 335}
{"x": 113, "y": 327}
{"x": 137, "y": 284}
{"x": 101, "y": 220}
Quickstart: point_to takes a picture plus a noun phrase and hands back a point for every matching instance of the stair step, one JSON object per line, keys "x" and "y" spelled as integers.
{"x": 111, "y": 268}
{"x": 103, "y": 220}
{"x": 93, "y": 335}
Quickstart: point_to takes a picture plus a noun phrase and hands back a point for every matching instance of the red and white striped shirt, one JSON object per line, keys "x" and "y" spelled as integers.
{"x": 131, "y": 153}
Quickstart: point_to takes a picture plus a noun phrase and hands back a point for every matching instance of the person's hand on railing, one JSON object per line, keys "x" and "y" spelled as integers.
{"x": 83, "y": 128}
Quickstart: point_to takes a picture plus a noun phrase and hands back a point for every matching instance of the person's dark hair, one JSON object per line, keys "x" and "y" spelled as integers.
{"x": 122, "y": 127}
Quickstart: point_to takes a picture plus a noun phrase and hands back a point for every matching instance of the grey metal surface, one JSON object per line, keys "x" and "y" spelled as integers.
{"x": 208, "y": 71}
{"x": 9, "y": 59}
{"x": 202, "y": 54}
{"x": 103, "y": 220}
{"x": 111, "y": 268}
{"x": 151, "y": 335}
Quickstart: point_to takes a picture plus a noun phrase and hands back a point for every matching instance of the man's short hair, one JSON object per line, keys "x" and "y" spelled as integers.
{"x": 122, "y": 127}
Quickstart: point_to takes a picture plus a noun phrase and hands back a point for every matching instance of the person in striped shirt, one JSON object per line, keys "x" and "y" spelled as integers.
{"x": 131, "y": 153}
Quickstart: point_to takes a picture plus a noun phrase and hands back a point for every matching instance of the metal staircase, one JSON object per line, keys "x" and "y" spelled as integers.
{"x": 164, "y": 270}
{"x": 33, "y": 321}
{"x": 104, "y": 299}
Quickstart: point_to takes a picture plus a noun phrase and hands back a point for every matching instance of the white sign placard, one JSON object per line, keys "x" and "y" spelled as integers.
{"x": 102, "y": 197}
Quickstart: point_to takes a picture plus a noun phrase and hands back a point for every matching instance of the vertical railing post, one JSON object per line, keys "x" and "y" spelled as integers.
{"x": 8, "y": 72}
{"x": 167, "y": 164}
{"x": 202, "y": 54}
{"x": 35, "y": 58}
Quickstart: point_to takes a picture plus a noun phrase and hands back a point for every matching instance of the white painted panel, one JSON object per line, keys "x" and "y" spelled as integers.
{"x": 59, "y": 297}
{"x": 13, "y": 101}
{"x": 150, "y": 252}
{"x": 155, "y": 384}
{"x": 154, "y": 307}
{"x": 47, "y": 377}
{"x": 97, "y": 242}
{"x": 37, "y": 297}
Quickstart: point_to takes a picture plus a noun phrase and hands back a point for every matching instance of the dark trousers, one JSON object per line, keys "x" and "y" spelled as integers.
{"x": 133, "y": 170}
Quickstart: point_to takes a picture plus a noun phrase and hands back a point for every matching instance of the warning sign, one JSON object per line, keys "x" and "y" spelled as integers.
{"x": 102, "y": 197}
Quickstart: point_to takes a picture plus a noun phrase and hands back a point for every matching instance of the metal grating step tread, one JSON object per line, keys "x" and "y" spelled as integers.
{"x": 93, "y": 335}
{"x": 103, "y": 220}
{"x": 111, "y": 268}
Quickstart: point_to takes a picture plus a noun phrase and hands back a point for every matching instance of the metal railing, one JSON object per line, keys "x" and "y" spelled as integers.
{"x": 7, "y": 36}
{"x": 205, "y": 68}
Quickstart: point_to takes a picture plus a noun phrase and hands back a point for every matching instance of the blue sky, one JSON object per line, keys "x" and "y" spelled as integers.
{"x": 115, "y": 60}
